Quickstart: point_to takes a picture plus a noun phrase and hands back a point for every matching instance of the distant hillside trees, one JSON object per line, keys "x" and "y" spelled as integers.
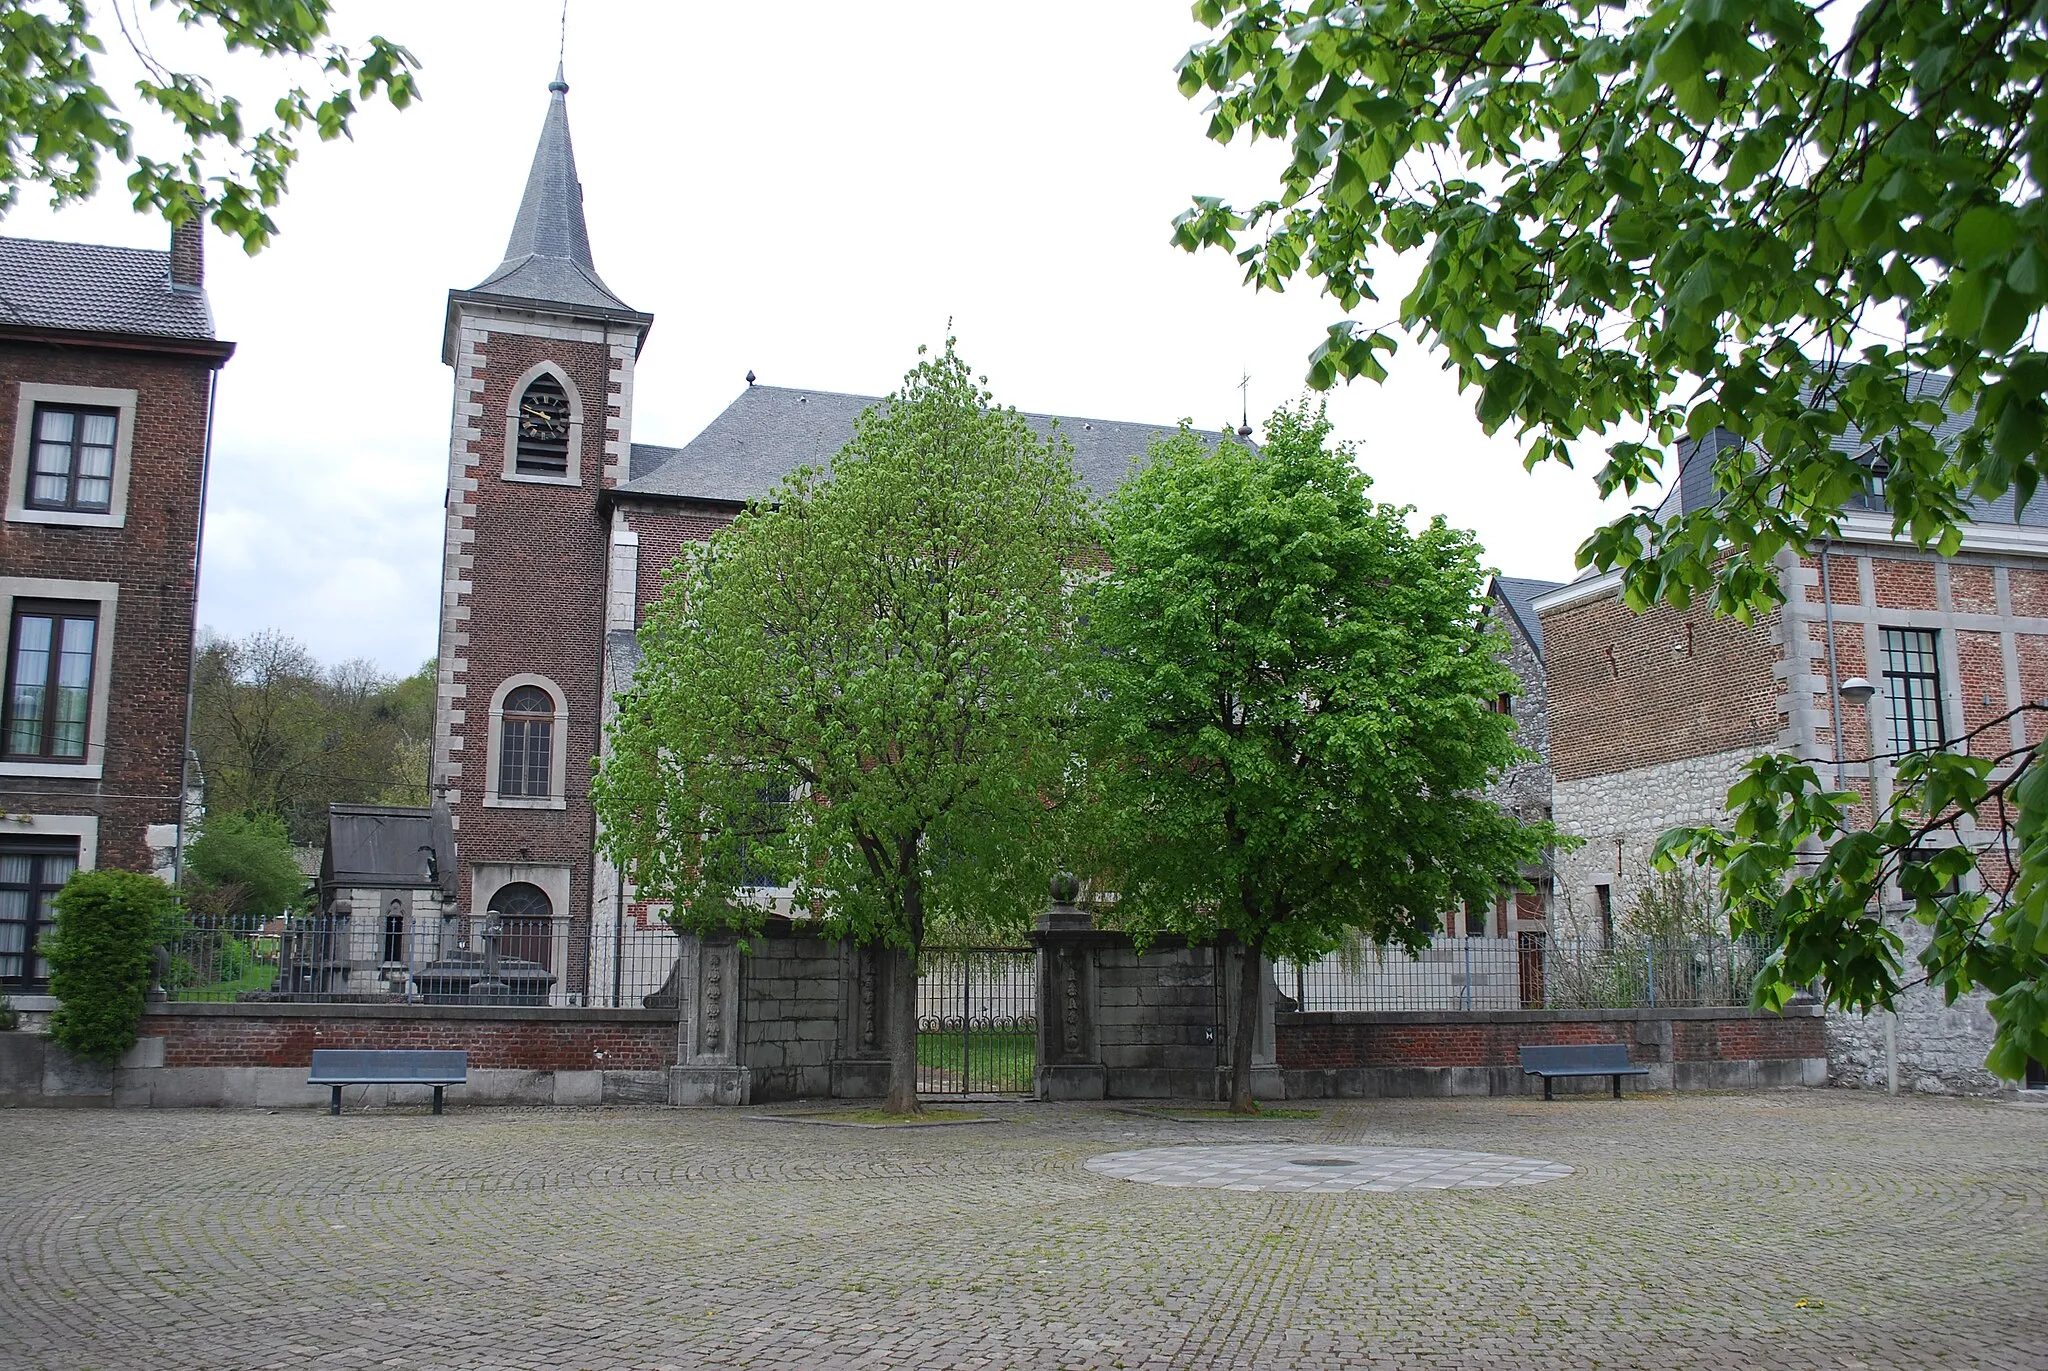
{"x": 280, "y": 734}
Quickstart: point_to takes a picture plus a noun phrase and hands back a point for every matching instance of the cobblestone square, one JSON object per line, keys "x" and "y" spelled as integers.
{"x": 1822, "y": 1229}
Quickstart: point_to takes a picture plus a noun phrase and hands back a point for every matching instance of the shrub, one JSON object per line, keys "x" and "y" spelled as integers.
{"x": 242, "y": 864}
{"x": 100, "y": 958}
{"x": 9, "y": 1020}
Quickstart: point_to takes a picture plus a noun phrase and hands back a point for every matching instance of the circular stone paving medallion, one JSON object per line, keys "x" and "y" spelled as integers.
{"x": 1323, "y": 1170}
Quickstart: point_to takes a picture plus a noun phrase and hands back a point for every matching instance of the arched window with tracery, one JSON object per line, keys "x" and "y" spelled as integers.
{"x": 526, "y": 924}
{"x": 526, "y": 744}
{"x": 543, "y": 439}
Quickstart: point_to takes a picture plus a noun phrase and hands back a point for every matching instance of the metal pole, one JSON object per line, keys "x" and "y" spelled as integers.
{"x": 1467, "y": 996}
{"x": 966, "y": 1013}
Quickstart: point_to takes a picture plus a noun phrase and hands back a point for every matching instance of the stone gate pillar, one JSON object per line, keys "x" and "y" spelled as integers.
{"x": 1070, "y": 1065}
{"x": 861, "y": 1069}
{"x": 708, "y": 988}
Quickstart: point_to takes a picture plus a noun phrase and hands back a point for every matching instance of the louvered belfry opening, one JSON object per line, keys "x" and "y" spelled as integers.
{"x": 543, "y": 429}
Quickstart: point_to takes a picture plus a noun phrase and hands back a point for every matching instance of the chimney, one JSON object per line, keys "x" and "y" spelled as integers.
{"x": 188, "y": 254}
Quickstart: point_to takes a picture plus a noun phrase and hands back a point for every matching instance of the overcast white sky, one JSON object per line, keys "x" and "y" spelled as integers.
{"x": 805, "y": 190}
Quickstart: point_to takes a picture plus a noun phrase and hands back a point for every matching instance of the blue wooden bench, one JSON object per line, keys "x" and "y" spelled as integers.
{"x": 1580, "y": 1059}
{"x": 337, "y": 1067}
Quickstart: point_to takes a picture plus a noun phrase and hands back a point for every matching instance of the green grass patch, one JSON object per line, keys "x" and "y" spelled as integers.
{"x": 1004, "y": 1061}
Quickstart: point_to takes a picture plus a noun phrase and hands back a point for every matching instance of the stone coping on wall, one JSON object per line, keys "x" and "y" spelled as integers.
{"x": 496, "y": 1013}
{"x": 1645, "y": 1014}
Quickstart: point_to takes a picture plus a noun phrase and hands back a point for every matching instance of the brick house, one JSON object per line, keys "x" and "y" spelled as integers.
{"x": 559, "y": 528}
{"x": 108, "y": 363}
{"x": 1652, "y": 714}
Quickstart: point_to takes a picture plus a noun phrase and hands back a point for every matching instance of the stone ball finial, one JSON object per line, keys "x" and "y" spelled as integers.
{"x": 1066, "y": 887}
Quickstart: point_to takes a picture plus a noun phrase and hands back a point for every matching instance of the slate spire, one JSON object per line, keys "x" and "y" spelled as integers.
{"x": 548, "y": 255}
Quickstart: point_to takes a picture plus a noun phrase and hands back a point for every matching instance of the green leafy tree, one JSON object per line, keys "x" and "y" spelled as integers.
{"x": 1290, "y": 730}
{"x": 242, "y": 864}
{"x": 100, "y": 958}
{"x": 860, "y": 689}
{"x": 58, "y": 124}
{"x": 1783, "y": 221}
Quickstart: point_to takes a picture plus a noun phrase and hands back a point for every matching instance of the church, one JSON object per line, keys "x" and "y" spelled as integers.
{"x": 560, "y": 525}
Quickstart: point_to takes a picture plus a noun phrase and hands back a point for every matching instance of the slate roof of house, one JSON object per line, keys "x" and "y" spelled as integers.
{"x": 92, "y": 288}
{"x": 380, "y": 846}
{"x": 1694, "y": 489}
{"x": 769, "y": 431}
{"x": 548, "y": 257}
{"x": 1519, "y": 594}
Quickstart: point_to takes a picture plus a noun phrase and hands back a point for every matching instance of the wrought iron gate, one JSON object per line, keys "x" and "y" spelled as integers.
{"x": 977, "y": 1020}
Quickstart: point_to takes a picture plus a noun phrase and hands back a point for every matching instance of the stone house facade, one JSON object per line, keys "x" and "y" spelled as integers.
{"x": 1525, "y": 789}
{"x": 1652, "y": 715}
{"x": 108, "y": 362}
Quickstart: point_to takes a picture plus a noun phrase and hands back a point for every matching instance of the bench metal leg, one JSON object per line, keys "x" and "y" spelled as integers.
{"x": 1617, "y": 1085}
{"x": 1546, "y": 1088}
{"x": 334, "y": 1104}
{"x": 437, "y": 1098}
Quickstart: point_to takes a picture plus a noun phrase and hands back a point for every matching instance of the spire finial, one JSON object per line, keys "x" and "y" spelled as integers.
{"x": 560, "y": 85}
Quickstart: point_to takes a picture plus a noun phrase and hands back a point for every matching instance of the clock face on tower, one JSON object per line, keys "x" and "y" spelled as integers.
{"x": 544, "y": 417}
{"x": 542, "y": 443}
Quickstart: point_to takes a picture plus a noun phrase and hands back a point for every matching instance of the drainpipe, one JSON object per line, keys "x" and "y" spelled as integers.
{"x": 192, "y": 663}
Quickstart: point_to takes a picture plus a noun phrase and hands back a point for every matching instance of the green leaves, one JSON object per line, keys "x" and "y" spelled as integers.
{"x": 1912, "y": 857}
{"x": 1668, "y": 223}
{"x": 894, "y": 649}
{"x": 1287, "y": 728}
{"x": 57, "y": 122}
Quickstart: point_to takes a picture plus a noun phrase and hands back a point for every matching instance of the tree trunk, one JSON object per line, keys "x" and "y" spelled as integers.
{"x": 1244, "y": 1038}
{"x": 899, "y": 973}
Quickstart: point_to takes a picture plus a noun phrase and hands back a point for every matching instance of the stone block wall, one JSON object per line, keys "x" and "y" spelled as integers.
{"x": 1933, "y": 1048}
{"x": 790, "y": 1018}
{"x": 1618, "y": 816}
{"x": 1160, "y": 1024}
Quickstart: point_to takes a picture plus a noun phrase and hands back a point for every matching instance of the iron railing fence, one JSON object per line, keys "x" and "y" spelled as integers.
{"x": 431, "y": 959}
{"x": 1530, "y": 971}
{"x": 977, "y": 1020}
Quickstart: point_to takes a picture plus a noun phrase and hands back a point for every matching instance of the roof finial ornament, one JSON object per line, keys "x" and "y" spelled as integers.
{"x": 1245, "y": 406}
{"x": 559, "y": 85}
{"x": 750, "y": 376}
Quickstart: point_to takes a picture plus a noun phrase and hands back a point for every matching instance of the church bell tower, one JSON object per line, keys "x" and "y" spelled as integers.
{"x": 543, "y": 353}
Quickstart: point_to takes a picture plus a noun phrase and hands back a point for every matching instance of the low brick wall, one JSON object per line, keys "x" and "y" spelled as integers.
{"x": 496, "y": 1038}
{"x": 1477, "y": 1053}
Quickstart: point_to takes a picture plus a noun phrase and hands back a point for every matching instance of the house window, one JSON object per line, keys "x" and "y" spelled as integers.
{"x": 394, "y": 933}
{"x": 1603, "y": 903}
{"x": 49, "y": 680}
{"x": 527, "y": 744}
{"x": 770, "y": 817}
{"x": 1912, "y": 684}
{"x": 543, "y": 446}
{"x": 31, "y": 874}
{"x": 72, "y": 466}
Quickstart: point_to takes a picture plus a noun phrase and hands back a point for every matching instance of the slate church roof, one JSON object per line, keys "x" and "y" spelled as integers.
{"x": 89, "y": 288}
{"x": 770, "y": 431}
{"x": 547, "y": 259}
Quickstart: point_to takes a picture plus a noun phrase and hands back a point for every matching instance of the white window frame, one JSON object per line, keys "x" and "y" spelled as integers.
{"x": 85, "y": 828}
{"x": 558, "y": 751}
{"x": 511, "y": 472}
{"x": 33, "y": 393}
{"x": 105, "y": 594}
